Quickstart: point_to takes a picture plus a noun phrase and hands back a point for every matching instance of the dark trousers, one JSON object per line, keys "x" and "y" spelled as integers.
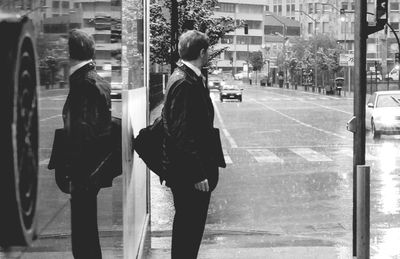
{"x": 191, "y": 207}
{"x": 84, "y": 230}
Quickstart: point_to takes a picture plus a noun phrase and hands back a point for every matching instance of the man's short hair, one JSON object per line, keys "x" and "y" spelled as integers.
{"x": 81, "y": 45}
{"x": 190, "y": 44}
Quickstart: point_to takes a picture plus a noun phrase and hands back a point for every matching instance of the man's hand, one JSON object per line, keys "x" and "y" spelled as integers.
{"x": 202, "y": 186}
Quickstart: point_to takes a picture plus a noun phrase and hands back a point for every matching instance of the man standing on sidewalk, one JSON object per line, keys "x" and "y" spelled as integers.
{"x": 189, "y": 149}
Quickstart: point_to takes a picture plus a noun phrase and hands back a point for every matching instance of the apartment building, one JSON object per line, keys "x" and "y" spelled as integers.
{"x": 314, "y": 17}
{"x": 267, "y": 32}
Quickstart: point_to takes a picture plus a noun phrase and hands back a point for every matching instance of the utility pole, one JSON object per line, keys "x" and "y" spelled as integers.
{"x": 360, "y": 57}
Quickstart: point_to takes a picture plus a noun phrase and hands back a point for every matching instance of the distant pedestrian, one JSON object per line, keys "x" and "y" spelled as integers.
{"x": 87, "y": 118}
{"x": 280, "y": 79}
{"x": 192, "y": 169}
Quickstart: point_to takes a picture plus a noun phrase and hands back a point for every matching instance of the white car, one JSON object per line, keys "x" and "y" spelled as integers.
{"x": 241, "y": 75}
{"x": 382, "y": 113}
{"x": 393, "y": 74}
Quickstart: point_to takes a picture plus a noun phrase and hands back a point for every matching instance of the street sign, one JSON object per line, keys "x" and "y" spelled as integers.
{"x": 346, "y": 60}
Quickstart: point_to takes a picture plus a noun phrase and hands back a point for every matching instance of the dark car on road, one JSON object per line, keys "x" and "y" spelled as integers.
{"x": 231, "y": 92}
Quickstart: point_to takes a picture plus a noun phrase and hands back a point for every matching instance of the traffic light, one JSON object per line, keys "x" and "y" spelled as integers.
{"x": 342, "y": 12}
{"x": 381, "y": 10}
{"x": 246, "y": 28}
{"x": 397, "y": 58}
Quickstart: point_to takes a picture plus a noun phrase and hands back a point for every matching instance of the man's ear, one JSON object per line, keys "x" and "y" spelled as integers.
{"x": 202, "y": 52}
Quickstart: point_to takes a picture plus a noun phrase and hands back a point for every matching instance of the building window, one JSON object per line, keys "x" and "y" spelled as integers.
{"x": 252, "y": 24}
{"x": 325, "y": 8}
{"x": 310, "y": 28}
{"x": 353, "y": 6}
{"x": 227, "y": 8}
{"x": 65, "y": 5}
{"x": 228, "y": 55}
{"x": 271, "y": 29}
{"x": 371, "y": 48}
{"x": 77, "y": 5}
{"x": 267, "y": 8}
{"x": 251, "y": 40}
{"x": 56, "y": 4}
{"x": 310, "y": 8}
{"x": 287, "y": 8}
{"x": 317, "y": 7}
{"x": 280, "y": 9}
{"x": 395, "y": 25}
{"x": 352, "y": 27}
{"x": 242, "y": 55}
{"x": 292, "y": 31}
{"x": 343, "y": 26}
{"x": 394, "y": 6}
{"x": 293, "y": 8}
{"x": 251, "y": 9}
{"x": 345, "y": 5}
{"x": 275, "y": 9}
{"x": 227, "y": 39}
{"x": 325, "y": 27}
{"x": 301, "y": 7}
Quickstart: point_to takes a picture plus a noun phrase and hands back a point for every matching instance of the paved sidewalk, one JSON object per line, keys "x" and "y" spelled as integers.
{"x": 239, "y": 243}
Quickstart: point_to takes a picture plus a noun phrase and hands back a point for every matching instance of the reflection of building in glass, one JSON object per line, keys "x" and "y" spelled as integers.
{"x": 100, "y": 18}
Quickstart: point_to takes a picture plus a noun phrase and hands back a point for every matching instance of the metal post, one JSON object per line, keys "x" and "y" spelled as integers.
{"x": 174, "y": 34}
{"x": 360, "y": 55}
{"x": 316, "y": 50}
{"x": 363, "y": 211}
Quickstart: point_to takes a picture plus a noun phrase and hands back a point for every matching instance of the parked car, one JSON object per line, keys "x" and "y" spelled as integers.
{"x": 375, "y": 76}
{"x": 215, "y": 82}
{"x": 230, "y": 92}
{"x": 393, "y": 74}
{"x": 382, "y": 113}
{"x": 241, "y": 75}
{"x": 116, "y": 90}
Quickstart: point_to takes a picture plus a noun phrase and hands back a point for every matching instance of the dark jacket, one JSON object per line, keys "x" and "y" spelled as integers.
{"x": 87, "y": 121}
{"x": 188, "y": 117}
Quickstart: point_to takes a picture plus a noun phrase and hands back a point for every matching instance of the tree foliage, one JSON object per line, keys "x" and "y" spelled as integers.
{"x": 256, "y": 60}
{"x": 321, "y": 51}
{"x": 200, "y": 11}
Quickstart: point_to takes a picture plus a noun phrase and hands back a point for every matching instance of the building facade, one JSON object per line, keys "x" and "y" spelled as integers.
{"x": 314, "y": 17}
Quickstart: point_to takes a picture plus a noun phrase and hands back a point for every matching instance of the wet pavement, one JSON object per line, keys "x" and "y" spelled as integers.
{"x": 287, "y": 189}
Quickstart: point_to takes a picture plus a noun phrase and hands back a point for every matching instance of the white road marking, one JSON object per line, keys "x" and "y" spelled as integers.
{"x": 323, "y": 106}
{"x": 52, "y": 117}
{"x": 264, "y": 156}
{"x": 228, "y": 136}
{"x": 310, "y": 155}
{"x": 300, "y": 122}
{"x": 228, "y": 159}
{"x": 55, "y": 98}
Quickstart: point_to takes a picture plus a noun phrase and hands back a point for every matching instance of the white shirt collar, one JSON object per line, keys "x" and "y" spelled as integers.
{"x": 196, "y": 70}
{"x": 78, "y": 66}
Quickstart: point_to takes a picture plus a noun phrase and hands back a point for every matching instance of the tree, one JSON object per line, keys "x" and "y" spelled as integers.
{"x": 257, "y": 61}
{"x": 199, "y": 11}
{"x": 326, "y": 58}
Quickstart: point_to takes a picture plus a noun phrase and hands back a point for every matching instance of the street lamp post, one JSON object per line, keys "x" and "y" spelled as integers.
{"x": 284, "y": 32}
{"x": 315, "y": 33}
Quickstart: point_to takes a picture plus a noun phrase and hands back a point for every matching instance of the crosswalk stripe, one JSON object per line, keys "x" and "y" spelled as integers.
{"x": 264, "y": 156}
{"x": 310, "y": 155}
{"x": 228, "y": 159}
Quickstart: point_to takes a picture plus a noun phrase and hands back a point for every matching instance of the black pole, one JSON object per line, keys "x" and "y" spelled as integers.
{"x": 174, "y": 35}
{"x": 360, "y": 55}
